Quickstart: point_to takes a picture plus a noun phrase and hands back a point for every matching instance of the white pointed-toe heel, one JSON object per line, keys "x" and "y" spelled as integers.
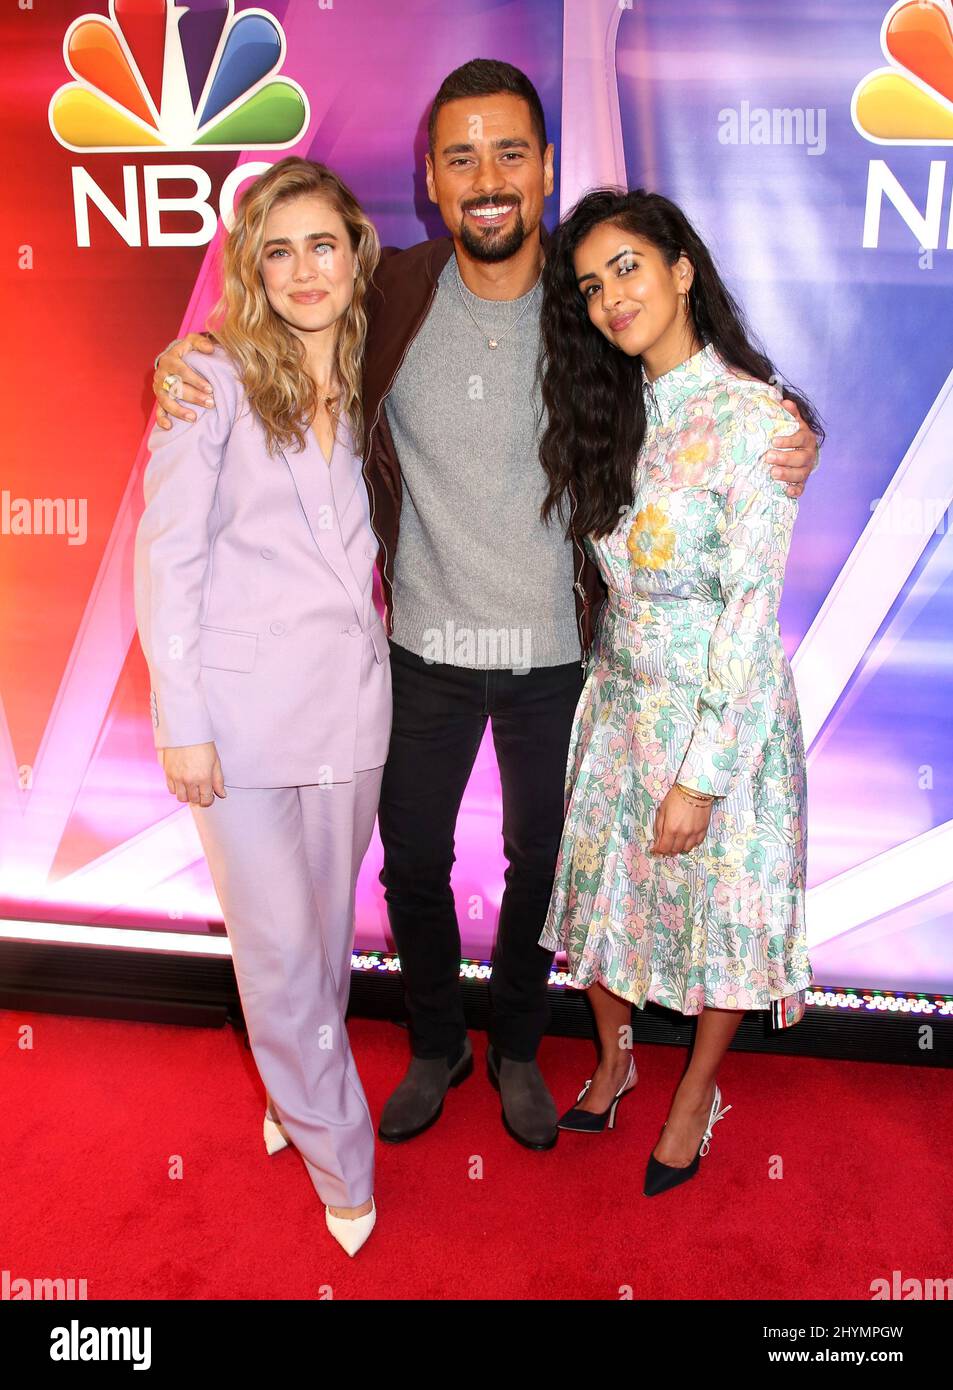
{"x": 275, "y": 1136}
{"x": 351, "y": 1234}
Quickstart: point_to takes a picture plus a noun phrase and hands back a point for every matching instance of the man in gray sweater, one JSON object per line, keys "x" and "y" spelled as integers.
{"x": 483, "y": 613}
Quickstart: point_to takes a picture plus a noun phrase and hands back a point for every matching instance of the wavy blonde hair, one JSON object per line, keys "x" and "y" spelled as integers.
{"x": 269, "y": 356}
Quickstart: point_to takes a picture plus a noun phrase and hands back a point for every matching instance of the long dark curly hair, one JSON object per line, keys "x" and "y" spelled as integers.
{"x": 592, "y": 391}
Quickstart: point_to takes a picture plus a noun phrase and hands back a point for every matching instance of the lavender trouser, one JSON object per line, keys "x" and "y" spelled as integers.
{"x": 284, "y": 862}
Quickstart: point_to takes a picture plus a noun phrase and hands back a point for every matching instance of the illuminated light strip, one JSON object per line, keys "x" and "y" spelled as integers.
{"x": 856, "y": 1000}
{"x": 128, "y": 938}
{"x": 889, "y": 881}
{"x": 874, "y": 573}
{"x": 386, "y": 963}
{"x": 592, "y": 150}
{"x": 881, "y": 1001}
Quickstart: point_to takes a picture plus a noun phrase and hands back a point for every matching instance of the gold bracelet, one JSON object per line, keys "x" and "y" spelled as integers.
{"x": 699, "y": 798}
{"x": 693, "y": 795}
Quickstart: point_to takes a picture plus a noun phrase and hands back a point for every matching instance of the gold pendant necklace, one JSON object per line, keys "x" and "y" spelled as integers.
{"x": 332, "y": 406}
{"x": 494, "y": 342}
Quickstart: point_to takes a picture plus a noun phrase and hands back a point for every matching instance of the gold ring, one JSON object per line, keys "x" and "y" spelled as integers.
{"x": 172, "y": 385}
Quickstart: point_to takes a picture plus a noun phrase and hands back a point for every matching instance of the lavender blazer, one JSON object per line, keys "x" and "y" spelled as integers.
{"x": 253, "y": 581}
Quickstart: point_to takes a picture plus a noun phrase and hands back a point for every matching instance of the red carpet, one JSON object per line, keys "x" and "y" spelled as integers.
{"x": 93, "y": 1115}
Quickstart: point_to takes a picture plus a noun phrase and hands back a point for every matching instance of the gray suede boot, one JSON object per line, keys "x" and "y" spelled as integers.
{"x": 529, "y": 1111}
{"x": 418, "y": 1100}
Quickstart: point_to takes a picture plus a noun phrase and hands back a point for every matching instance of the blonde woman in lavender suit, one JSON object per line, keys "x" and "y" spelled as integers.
{"x": 271, "y": 693}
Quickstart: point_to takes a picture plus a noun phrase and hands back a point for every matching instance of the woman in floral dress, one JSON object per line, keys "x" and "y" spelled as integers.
{"x": 680, "y": 877}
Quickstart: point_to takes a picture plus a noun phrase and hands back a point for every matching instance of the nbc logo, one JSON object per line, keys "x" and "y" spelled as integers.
{"x": 161, "y": 75}
{"x": 910, "y": 102}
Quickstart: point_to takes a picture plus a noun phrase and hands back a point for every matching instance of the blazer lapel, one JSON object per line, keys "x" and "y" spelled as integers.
{"x": 345, "y": 469}
{"x": 312, "y": 479}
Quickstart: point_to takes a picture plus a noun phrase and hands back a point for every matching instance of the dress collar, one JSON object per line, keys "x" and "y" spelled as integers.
{"x": 666, "y": 393}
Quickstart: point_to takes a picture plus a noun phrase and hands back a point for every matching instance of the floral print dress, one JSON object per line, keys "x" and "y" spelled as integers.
{"x": 688, "y": 681}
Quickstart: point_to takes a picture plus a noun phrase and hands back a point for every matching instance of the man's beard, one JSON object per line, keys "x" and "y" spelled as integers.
{"x": 490, "y": 247}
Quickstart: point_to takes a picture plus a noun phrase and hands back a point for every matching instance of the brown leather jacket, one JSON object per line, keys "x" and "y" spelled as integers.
{"x": 398, "y": 302}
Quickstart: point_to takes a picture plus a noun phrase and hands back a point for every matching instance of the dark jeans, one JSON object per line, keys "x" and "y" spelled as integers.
{"x": 440, "y": 714}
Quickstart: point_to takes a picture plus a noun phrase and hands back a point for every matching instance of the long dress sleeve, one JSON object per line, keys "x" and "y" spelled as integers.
{"x": 172, "y": 556}
{"x": 745, "y": 646}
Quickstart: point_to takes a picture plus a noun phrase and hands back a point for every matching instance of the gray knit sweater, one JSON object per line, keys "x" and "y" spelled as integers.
{"x": 479, "y": 580}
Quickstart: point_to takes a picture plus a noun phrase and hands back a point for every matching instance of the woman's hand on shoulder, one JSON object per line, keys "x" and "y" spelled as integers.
{"x": 176, "y": 385}
{"x": 793, "y": 456}
{"x": 193, "y": 773}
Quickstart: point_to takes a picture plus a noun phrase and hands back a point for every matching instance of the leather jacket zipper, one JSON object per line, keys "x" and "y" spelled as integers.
{"x": 379, "y": 538}
{"x": 370, "y": 440}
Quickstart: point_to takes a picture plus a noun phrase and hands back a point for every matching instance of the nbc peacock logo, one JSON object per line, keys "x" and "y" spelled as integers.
{"x": 911, "y": 101}
{"x": 161, "y": 75}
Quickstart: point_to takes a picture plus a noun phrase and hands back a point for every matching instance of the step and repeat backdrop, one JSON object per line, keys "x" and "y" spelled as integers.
{"x": 812, "y": 145}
